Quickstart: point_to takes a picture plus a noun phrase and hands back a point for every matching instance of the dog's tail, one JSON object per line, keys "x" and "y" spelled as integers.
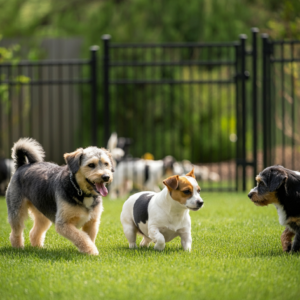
{"x": 27, "y": 150}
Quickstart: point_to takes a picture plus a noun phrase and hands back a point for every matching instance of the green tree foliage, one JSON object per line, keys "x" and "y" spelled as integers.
{"x": 134, "y": 20}
{"x": 286, "y": 22}
{"x": 9, "y": 54}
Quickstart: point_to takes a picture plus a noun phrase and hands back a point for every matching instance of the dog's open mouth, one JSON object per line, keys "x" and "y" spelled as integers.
{"x": 99, "y": 187}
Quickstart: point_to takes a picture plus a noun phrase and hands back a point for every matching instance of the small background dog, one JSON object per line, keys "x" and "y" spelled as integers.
{"x": 160, "y": 217}
{"x": 69, "y": 196}
{"x": 281, "y": 187}
{"x": 141, "y": 174}
{"x": 201, "y": 172}
{"x": 146, "y": 173}
{"x": 118, "y": 147}
{"x": 6, "y": 171}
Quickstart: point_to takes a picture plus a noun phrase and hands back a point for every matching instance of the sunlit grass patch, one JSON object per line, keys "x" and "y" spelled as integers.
{"x": 236, "y": 254}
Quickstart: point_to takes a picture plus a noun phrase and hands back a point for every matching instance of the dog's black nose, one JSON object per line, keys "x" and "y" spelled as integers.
{"x": 199, "y": 203}
{"x": 250, "y": 194}
{"x": 105, "y": 177}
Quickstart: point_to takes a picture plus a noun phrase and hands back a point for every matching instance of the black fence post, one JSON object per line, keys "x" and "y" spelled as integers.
{"x": 254, "y": 97}
{"x": 237, "y": 50}
{"x": 106, "y": 39}
{"x": 243, "y": 74}
{"x": 93, "y": 64}
{"x": 265, "y": 38}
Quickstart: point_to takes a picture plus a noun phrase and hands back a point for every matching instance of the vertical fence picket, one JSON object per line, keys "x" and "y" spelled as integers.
{"x": 106, "y": 117}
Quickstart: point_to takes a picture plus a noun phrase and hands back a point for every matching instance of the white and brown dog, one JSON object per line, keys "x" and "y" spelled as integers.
{"x": 160, "y": 217}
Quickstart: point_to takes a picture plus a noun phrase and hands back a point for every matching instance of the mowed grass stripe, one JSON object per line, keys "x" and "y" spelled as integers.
{"x": 236, "y": 254}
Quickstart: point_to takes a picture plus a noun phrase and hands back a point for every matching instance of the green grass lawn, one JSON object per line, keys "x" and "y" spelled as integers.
{"x": 236, "y": 254}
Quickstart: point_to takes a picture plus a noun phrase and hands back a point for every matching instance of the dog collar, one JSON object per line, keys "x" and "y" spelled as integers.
{"x": 79, "y": 191}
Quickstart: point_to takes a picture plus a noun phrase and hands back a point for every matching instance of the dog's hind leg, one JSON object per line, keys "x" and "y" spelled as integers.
{"x": 16, "y": 218}
{"x": 40, "y": 227}
{"x": 130, "y": 233}
{"x": 145, "y": 242}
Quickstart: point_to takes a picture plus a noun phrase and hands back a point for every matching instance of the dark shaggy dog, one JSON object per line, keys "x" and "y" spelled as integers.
{"x": 69, "y": 196}
{"x": 6, "y": 169}
{"x": 281, "y": 187}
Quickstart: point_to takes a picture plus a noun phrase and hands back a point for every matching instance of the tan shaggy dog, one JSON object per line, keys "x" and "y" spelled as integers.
{"x": 68, "y": 196}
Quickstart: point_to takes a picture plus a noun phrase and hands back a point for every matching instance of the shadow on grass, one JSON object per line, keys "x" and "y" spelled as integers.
{"x": 275, "y": 253}
{"x": 70, "y": 254}
{"x": 169, "y": 251}
{"x": 150, "y": 249}
{"x": 44, "y": 253}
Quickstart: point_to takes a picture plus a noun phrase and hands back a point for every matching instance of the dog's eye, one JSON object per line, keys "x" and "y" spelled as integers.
{"x": 91, "y": 165}
{"x": 106, "y": 164}
{"x": 187, "y": 192}
{"x": 199, "y": 191}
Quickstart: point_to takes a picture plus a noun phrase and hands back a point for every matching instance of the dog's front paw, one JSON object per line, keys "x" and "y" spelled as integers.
{"x": 145, "y": 243}
{"x": 159, "y": 246}
{"x": 187, "y": 248}
{"x": 132, "y": 245}
{"x": 93, "y": 252}
{"x": 90, "y": 251}
{"x": 287, "y": 248}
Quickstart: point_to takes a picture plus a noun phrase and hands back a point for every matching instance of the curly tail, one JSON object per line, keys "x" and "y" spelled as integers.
{"x": 27, "y": 150}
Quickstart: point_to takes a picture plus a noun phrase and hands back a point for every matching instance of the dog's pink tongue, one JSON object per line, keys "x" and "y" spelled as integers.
{"x": 101, "y": 188}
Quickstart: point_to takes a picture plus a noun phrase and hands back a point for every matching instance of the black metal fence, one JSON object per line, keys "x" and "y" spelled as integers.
{"x": 281, "y": 94}
{"x": 190, "y": 99}
{"x": 54, "y": 102}
{"x": 230, "y": 108}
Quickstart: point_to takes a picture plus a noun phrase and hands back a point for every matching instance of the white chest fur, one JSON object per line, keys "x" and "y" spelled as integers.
{"x": 88, "y": 201}
{"x": 281, "y": 214}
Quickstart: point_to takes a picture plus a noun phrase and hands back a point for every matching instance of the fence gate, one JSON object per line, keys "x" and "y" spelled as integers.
{"x": 187, "y": 100}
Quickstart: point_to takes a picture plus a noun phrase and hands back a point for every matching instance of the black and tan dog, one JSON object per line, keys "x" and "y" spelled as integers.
{"x": 281, "y": 187}
{"x": 69, "y": 196}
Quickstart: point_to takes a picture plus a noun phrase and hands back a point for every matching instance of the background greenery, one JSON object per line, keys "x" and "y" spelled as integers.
{"x": 152, "y": 21}
{"x": 236, "y": 254}
{"x": 208, "y": 111}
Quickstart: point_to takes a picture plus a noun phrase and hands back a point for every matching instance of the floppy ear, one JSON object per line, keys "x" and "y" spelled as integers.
{"x": 277, "y": 179}
{"x": 191, "y": 174}
{"x": 172, "y": 182}
{"x": 73, "y": 160}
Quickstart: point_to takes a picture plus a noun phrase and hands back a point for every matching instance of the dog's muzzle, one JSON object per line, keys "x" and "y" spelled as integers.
{"x": 250, "y": 195}
{"x": 199, "y": 205}
{"x": 252, "y": 192}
